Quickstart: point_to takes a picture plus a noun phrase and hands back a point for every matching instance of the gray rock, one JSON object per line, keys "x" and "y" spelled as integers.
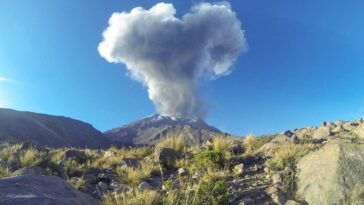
{"x": 322, "y": 133}
{"x": 145, "y": 186}
{"x": 182, "y": 171}
{"x": 77, "y": 155}
{"x": 30, "y": 170}
{"x": 278, "y": 198}
{"x": 332, "y": 173}
{"x": 166, "y": 156}
{"x": 237, "y": 148}
{"x": 37, "y": 189}
{"x": 119, "y": 188}
{"x": 102, "y": 187}
{"x": 239, "y": 169}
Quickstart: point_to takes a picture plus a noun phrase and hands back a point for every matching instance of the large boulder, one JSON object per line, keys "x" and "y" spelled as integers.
{"x": 37, "y": 189}
{"x": 332, "y": 174}
{"x": 322, "y": 132}
{"x": 359, "y": 131}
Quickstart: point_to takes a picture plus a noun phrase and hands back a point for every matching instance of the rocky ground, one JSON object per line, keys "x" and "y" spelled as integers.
{"x": 313, "y": 165}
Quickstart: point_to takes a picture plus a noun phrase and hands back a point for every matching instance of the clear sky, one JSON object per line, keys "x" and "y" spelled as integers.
{"x": 305, "y": 64}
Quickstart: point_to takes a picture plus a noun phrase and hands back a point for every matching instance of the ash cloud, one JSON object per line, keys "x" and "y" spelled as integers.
{"x": 170, "y": 55}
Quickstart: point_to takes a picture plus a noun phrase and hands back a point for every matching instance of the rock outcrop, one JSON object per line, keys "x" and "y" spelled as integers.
{"x": 332, "y": 174}
{"x": 37, "y": 189}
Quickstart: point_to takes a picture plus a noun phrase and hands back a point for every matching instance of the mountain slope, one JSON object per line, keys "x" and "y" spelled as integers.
{"x": 151, "y": 129}
{"x": 48, "y": 130}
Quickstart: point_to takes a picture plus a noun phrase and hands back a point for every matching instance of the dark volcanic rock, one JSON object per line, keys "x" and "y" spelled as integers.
{"x": 47, "y": 130}
{"x": 45, "y": 190}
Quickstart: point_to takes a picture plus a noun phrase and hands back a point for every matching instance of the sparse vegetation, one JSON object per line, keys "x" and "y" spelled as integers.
{"x": 223, "y": 143}
{"x": 136, "y": 197}
{"x": 4, "y": 172}
{"x": 31, "y": 157}
{"x": 211, "y": 159}
{"x": 175, "y": 142}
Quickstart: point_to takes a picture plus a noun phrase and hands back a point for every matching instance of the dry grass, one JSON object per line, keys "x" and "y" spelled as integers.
{"x": 31, "y": 157}
{"x": 7, "y": 152}
{"x": 222, "y": 143}
{"x": 135, "y": 197}
{"x": 57, "y": 155}
{"x": 287, "y": 155}
{"x": 78, "y": 183}
{"x": 4, "y": 172}
{"x": 250, "y": 142}
{"x": 133, "y": 176}
{"x": 175, "y": 142}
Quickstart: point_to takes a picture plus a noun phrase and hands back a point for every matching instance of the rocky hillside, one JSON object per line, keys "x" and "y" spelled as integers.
{"x": 314, "y": 165}
{"x": 48, "y": 130}
{"x": 150, "y": 130}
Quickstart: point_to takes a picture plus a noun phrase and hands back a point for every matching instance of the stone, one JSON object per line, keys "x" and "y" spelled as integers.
{"x": 166, "y": 156}
{"x": 119, "y": 188}
{"x": 292, "y": 202}
{"x": 239, "y": 169}
{"x": 77, "y": 155}
{"x": 333, "y": 171}
{"x": 107, "y": 176}
{"x": 41, "y": 189}
{"x": 144, "y": 186}
{"x": 90, "y": 179}
{"x": 359, "y": 131}
{"x": 271, "y": 190}
{"x": 130, "y": 162}
{"x": 277, "y": 178}
{"x": 237, "y": 149}
{"x": 246, "y": 200}
{"x": 102, "y": 187}
{"x": 322, "y": 133}
{"x": 182, "y": 171}
{"x": 278, "y": 198}
{"x": 30, "y": 170}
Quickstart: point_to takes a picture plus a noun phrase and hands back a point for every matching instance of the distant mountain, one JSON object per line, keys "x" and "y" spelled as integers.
{"x": 48, "y": 130}
{"x": 151, "y": 129}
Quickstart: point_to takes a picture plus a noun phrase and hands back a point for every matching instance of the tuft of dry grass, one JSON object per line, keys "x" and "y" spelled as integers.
{"x": 287, "y": 155}
{"x": 31, "y": 157}
{"x": 250, "y": 142}
{"x": 7, "y": 152}
{"x": 135, "y": 175}
{"x": 175, "y": 142}
{"x": 4, "y": 172}
{"x": 136, "y": 197}
{"x": 222, "y": 143}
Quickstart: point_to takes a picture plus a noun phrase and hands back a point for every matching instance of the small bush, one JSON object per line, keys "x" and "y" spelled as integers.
{"x": 175, "y": 142}
{"x": 210, "y": 158}
{"x": 212, "y": 189}
{"x": 31, "y": 157}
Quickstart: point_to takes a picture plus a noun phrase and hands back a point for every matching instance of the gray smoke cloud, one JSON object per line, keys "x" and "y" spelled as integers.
{"x": 170, "y": 55}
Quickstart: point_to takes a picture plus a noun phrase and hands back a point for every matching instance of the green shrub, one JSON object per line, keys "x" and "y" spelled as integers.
{"x": 210, "y": 158}
{"x": 211, "y": 192}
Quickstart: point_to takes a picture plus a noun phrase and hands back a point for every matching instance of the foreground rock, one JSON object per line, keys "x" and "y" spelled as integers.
{"x": 45, "y": 190}
{"x": 332, "y": 175}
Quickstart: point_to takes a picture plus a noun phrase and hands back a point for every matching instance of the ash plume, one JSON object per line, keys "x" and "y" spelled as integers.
{"x": 170, "y": 55}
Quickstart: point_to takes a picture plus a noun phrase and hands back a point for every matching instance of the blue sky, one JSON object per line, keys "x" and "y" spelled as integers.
{"x": 305, "y": 64}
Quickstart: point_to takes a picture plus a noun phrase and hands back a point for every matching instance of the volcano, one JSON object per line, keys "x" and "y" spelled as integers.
{"x": 150, "y": 130}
